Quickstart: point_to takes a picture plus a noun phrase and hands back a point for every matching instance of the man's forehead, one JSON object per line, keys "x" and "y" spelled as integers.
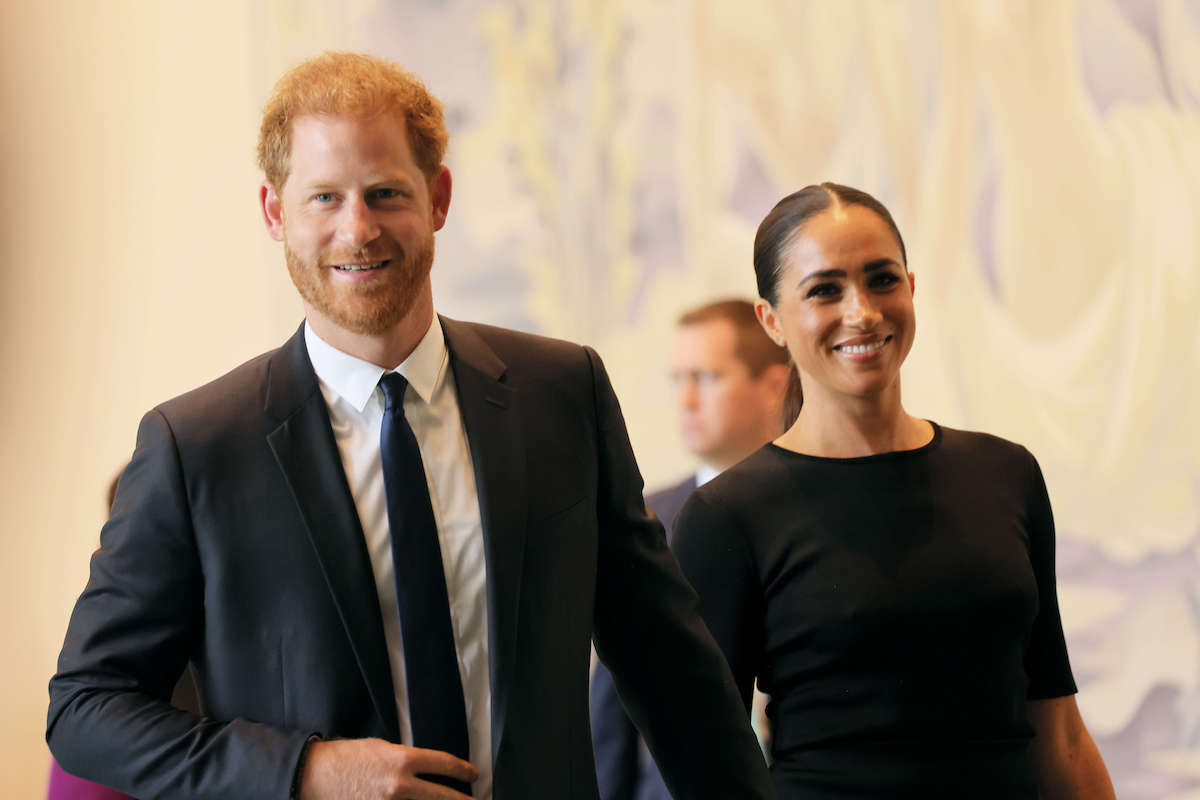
{"x": 381, "y": 115}
{"x": 707, "y": 340}
{"x": 716, "y": 331}
{"x": 331, "y": 131}
{"x": 324, "y": 143}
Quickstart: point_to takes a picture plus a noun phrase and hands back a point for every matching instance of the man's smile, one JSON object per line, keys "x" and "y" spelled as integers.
{"x": 362, "y": 267}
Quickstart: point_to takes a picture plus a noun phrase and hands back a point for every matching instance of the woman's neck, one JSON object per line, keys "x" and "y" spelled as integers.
{"x": 842, "y": 427}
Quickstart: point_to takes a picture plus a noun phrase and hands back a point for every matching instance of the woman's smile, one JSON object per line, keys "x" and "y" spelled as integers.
{"x": 862, "y": 350}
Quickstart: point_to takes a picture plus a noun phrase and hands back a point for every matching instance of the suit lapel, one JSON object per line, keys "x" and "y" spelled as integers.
{"x": 307, "y": 455}
{"x": 492, "y": 418}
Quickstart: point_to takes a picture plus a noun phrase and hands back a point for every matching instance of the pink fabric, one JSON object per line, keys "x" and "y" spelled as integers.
{"x": 65, "y": 786}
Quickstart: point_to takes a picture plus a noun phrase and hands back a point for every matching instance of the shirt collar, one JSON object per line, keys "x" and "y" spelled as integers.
{"x": 354, "y": 380}
{"x": 705, "y": 473}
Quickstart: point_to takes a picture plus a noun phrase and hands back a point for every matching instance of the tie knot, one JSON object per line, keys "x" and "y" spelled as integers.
{"x": 393, "y": 385}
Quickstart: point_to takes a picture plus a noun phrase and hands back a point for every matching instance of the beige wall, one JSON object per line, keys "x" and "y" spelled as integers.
{"x": 132, "y": 267}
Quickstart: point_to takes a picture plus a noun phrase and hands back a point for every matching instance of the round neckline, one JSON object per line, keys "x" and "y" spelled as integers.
{"x": 932, "y": 444}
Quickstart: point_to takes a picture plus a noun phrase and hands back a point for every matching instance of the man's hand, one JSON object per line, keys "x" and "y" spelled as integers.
{"x": 367, "y": 769}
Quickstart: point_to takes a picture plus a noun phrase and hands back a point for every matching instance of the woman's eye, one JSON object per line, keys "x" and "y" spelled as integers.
{"x": 323, "y": 197}
{"x": 885, "y": 280}
{"x": 823, "y": 290}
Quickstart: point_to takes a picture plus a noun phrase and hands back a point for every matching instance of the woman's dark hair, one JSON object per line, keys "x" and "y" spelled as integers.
{"x": 776, "y": 233}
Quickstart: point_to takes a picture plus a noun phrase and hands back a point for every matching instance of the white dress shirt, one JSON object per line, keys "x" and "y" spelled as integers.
{"x": 351, "y": 390}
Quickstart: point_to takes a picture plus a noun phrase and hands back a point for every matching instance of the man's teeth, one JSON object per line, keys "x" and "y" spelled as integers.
{"x": 861, "y": 348}
{"x": 358, "y": 267}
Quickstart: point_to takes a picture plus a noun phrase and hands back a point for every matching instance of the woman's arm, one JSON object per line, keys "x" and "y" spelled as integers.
{"x": 717, "y": 561}
{"x": 1065, "y": 759}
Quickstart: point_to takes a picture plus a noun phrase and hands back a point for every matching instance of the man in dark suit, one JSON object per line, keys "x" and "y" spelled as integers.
{"x": 730, "y": 380}
{"x": 386, "y": 546}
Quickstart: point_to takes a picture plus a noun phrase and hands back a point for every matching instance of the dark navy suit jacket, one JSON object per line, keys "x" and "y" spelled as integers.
{"x": 234, "y": 544}
{"x": 625, "y": 769}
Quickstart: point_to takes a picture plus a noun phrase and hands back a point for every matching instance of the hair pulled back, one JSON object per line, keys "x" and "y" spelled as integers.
{"x": 775, "y": 235}
{"x": 779, "y": 228}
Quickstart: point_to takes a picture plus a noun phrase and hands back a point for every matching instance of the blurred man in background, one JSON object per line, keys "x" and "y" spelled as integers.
{"x": 730, "y": 381}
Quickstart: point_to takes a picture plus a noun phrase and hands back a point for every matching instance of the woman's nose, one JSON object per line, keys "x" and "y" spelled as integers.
{"x": 860, "y": 309}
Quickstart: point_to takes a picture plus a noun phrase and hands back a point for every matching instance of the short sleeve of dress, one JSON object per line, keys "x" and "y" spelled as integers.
{"x": 717, "y": 560}
{"x": 1046, "y": 662}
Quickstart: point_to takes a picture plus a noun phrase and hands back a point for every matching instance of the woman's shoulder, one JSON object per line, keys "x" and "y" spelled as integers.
{"x": 760, "y": 476}
{"x": 984, "y": 449}
{"x": 957, "y": 438}
{"x": 728, "y": 514}
{"x": 743, "y": 496}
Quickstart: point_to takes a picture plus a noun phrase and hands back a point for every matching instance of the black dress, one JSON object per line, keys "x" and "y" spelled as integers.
{"x": 899, "y": 609}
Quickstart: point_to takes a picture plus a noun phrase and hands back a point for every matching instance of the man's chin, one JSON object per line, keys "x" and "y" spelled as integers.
{"x": 360, "y": 316}
{"x": 370, "y": 323}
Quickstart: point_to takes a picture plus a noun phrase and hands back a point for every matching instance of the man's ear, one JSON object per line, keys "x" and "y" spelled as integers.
{"x": 769, "y": 321}
{"x": 272, "y": 210}
{"x": 439, "y": 196}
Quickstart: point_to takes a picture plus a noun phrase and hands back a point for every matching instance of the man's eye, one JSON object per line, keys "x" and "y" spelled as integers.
{"x": 323, "y": 197}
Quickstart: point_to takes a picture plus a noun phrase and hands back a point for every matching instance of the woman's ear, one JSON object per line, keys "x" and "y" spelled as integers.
{"x": 769, "y": 321}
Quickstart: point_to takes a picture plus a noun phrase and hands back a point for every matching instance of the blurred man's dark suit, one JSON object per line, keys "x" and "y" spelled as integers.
{"x": 235, "y": 544}
{"x": 624, "y": 767}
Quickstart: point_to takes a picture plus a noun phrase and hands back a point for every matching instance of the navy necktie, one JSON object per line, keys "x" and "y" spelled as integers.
{"x": 435, "y": 694}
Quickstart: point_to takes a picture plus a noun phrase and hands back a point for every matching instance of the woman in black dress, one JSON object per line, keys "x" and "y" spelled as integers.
{"x": 889, "y": 582}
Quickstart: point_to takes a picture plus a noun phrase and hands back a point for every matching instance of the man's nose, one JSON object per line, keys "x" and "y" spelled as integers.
{"x": 358, "y": 227}
{"x": 687, "y": 395}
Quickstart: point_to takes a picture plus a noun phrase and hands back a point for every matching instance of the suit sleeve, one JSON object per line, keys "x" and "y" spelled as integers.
{"x": 127, "y": 643}
{"x": 670, "y": 673}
